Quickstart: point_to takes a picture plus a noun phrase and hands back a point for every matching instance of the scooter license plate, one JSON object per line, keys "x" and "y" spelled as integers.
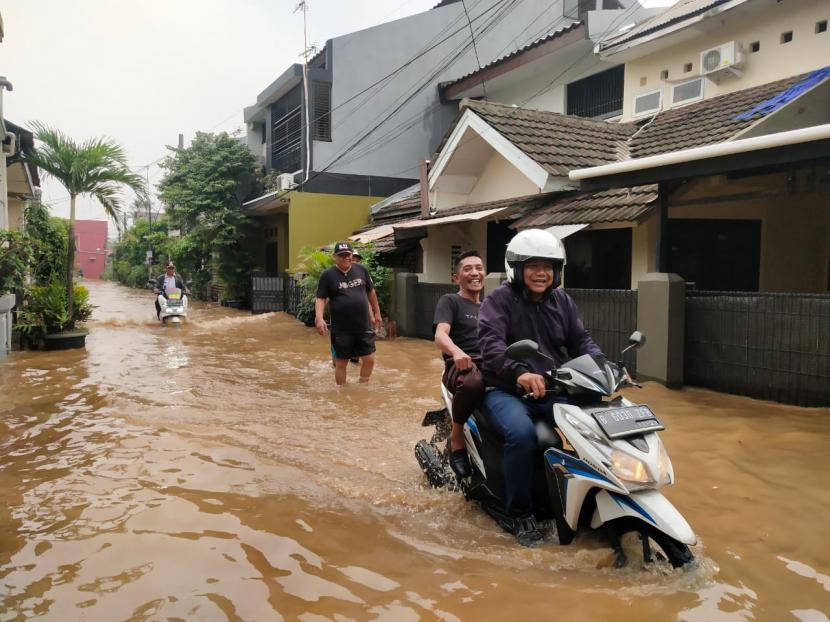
{"x": 627, "y": 421}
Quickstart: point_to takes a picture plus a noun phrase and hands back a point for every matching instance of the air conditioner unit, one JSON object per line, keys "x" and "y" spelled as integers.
{"x": 725, "y": 57}
{"x": 285, "y": 182}
{"x": 9, "y": 143}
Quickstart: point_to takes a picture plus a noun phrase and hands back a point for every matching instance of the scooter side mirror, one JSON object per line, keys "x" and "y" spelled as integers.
{"x": 522, "y": 350}
{"x": 636, "y": 340}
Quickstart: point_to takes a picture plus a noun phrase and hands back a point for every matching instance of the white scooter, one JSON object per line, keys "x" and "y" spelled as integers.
{"x": 173, "y": 304}
{"x": 600, "y": 462}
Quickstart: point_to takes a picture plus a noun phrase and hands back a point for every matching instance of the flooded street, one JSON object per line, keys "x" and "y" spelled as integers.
{"x": 215, "y": 472}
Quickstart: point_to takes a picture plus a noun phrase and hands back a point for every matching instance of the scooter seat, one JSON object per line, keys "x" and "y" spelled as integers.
{"x": 547, "y": 438}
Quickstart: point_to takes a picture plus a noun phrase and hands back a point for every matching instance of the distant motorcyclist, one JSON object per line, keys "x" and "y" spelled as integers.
{"x": 170, "y": 279}
{"x": 528, "y": 306}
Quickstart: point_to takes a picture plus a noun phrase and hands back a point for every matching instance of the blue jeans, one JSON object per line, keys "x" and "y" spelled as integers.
{"x": 511, "y": 416}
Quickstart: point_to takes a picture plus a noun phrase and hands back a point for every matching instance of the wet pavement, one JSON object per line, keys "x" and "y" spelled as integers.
{"x": 214, "y": 472}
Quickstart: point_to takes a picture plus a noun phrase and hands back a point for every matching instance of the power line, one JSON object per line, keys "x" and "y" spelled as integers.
{"x": 475, "y": 48}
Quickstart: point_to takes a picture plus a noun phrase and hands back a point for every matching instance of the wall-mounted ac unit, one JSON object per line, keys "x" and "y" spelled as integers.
{"x": 725, "y": 57}
{"x": 285, "y": 182}
{"x": 648, "y": 103}
{"x": 9, "y": 142}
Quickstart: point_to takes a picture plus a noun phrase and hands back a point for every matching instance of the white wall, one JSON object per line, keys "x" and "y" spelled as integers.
{"x": 765, "y": 23}
{"x": 437, "y": 248}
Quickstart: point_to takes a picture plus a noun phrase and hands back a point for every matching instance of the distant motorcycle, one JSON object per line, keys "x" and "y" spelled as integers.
{"x": 599, "y": 463}
{"x": 173, "y": 304}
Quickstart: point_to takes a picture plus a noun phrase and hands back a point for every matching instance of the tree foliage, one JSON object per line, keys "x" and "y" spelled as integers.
{"x": 203, "y": 191}
{"x": 49, "y": 236}
{"x": 97, "y": 167}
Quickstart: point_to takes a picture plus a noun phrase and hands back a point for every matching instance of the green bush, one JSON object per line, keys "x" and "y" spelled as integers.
{"x": 49, "y": 236}
{"x": 43, "y": 311}
{"x": 15, "y": 256}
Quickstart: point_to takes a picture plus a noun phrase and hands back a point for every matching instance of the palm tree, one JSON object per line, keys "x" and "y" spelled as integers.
{"x": 96, "y": 167}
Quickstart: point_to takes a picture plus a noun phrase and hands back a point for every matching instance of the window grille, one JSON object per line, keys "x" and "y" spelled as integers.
{"x": 321, "y": 111}
{"x": 599, "y": 95}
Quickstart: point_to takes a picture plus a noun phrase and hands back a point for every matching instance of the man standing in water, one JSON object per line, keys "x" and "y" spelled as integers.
{"x": 347, "y": 286}
{"x": 456, "y": 335}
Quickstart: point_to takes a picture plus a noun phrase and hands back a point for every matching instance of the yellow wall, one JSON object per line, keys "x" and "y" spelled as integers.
{"x": 318, "y": 219}
{"x": 795, "y": 225}
{"x": 807, "y": 51}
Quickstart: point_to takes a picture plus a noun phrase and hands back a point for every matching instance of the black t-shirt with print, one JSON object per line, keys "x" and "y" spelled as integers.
{"x": 348, "y": 303}
{"x": 462, "y": 316}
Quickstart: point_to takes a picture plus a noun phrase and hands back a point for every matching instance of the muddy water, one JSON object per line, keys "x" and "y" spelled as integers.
{"x": 214, "y": 472}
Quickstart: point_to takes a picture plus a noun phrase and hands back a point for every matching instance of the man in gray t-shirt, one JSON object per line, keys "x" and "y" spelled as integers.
{"x": 456, "y": 335}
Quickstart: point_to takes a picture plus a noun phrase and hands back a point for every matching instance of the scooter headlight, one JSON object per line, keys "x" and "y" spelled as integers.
{"x": 629, "y": 468}
{"x": 663, "y": 464}
{"x": 583, "y": 429}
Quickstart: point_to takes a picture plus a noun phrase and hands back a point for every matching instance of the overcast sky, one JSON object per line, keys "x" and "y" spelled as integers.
{"x": 143, "y": 72}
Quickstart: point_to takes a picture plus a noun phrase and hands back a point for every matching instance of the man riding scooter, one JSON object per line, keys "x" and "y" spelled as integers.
{"x": 169, "y": 280}
{"x": 528, "y": 306}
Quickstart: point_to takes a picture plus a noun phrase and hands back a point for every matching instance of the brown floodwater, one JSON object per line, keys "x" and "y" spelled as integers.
{"x": 215, "y": 472}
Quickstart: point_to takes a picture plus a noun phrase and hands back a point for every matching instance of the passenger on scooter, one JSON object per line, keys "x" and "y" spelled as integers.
{"x": 528, "y": 306}
{"x": 456, "y": 326}
{"x": 169, "y": 279}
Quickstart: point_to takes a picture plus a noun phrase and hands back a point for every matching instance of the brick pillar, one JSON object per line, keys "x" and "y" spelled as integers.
{"x": 661, "y": 307}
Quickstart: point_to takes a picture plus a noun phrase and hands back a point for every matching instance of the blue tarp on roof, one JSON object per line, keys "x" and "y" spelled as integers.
{"x": 774, "y": 103}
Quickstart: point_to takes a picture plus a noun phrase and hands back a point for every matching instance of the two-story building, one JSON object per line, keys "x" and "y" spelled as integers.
{"x": 353, "y": 127}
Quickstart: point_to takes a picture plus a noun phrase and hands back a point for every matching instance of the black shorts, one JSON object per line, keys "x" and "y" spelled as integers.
{"x": 351, "y": 345}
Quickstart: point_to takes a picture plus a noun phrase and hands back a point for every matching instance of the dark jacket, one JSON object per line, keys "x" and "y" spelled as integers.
{"x": 506, "y": 317}
{"x": 179, "y": 283}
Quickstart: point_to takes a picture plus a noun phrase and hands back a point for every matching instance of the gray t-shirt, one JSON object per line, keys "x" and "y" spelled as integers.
{"x": 462, "y": 316}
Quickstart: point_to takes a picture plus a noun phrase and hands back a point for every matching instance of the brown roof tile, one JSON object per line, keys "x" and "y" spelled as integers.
{"x": 704, "y": 123}
{"x": 615, "y": 205}
{"x": 558, "y": 142}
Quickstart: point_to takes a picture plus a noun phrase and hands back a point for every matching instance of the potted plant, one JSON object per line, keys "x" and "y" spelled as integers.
{"x": 44, "y": 317}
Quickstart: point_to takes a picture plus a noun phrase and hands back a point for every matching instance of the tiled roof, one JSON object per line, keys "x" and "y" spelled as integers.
{"x": 554, "y": 34}
{"x": 615, "y": 205}
{"x": 704, "y": 123}
{"x": 558, "y": 142}
{"x": 675, "y": 14}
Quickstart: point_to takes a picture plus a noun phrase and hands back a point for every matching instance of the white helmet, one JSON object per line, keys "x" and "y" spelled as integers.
{"x": 533, "y": 244}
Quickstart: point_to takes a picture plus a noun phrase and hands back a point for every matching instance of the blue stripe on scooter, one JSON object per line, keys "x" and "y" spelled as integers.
{"x": 623, "y": 500}
{"x": 471, "y": 422}
{"x": 576, "y": 467}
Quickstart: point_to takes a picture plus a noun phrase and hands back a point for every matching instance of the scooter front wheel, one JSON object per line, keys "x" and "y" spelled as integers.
{"x": 674, "y": 551}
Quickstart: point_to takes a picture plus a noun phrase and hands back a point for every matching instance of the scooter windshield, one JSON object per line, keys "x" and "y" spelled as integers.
{"x": 173, "y": 293}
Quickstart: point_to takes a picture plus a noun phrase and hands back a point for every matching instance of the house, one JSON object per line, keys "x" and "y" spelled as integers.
{"x": 19, "y": 182}
{"x": 352, "y": 127}
{"x": 91, "y": 247}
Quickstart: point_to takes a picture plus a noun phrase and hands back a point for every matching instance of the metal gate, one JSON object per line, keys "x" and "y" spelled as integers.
{"x": 767, "y": 346}
{"x": 610, "y": 315}
{"x": 268, "y": 292}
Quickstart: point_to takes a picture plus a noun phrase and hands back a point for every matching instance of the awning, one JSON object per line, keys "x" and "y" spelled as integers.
{"x": 370, "y": 235}
{"x": 787, "y": 147}
{"x": 563, "y": 231}
{"x": 445, "y": 220}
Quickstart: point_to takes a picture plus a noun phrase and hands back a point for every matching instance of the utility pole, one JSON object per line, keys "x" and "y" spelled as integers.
{"x": 303, "y": 6}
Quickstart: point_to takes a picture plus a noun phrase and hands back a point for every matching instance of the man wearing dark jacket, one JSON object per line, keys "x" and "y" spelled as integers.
{"x": 528, "y": 306}
{"x": 169, "y": 279}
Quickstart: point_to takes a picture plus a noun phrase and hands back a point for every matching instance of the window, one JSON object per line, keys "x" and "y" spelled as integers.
{"x": 687, "y": 92}
{"x": 821, "y": 26}
{"x": 786, "y": 37}
{"x": 647, "y": 103}
{"x": 755, "y": 46}
{"x": 286, "y": 132}
{"x": 687, "y": 68}
{"x": 598, "y": 259}
{"x": 321, "y": 111}
{"x": 599, "y": 95}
